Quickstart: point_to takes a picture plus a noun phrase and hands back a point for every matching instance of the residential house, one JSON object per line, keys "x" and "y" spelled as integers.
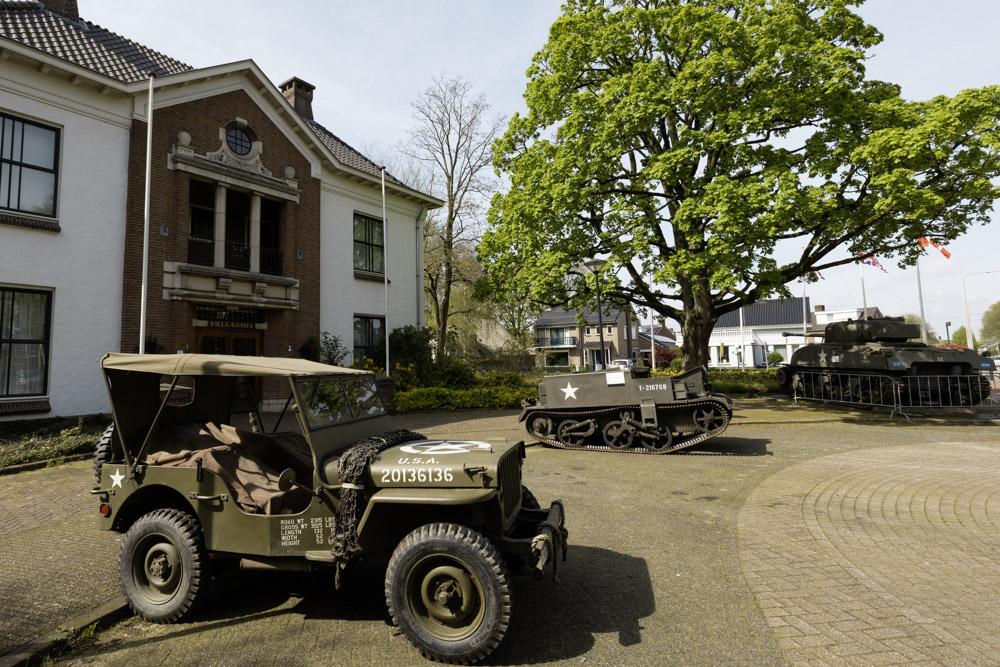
{"x": 265, "y": 228}
{"x": 664, "y": 337}
{"x": 563, "y": 343}
{"x": 745, "y": 337}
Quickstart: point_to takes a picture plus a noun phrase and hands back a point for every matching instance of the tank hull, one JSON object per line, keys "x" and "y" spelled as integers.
{"x": 623, "y": 412}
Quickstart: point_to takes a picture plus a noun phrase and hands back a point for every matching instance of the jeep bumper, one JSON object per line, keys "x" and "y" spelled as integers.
{"x": 538, "y": 537}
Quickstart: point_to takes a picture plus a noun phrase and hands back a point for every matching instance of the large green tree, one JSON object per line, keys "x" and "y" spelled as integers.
{"x": 724, "y": 148}
{"x": 991, "y": 323}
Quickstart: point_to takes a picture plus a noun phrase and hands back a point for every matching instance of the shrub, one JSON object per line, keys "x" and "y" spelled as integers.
{"x": 452, "y": 373}
{"x": 775, "y": 358}
{"x": 442, "y": 398}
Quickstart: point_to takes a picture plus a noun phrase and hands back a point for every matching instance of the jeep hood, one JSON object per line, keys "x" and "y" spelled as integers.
{"x": 442, "y": 463}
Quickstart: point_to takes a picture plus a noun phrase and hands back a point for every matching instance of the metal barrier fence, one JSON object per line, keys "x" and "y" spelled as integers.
{"x": 899, "y": 393}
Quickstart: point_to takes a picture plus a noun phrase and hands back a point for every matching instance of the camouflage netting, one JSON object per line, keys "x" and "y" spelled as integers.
{"x": 353, "y": 465}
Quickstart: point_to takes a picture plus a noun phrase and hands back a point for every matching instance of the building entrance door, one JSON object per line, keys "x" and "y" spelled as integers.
{"x": 241, "y": 343}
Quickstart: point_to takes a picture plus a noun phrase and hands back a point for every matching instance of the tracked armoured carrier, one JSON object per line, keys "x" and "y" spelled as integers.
{"x": 872, "y": 362}
{"x": 626, "y": 411}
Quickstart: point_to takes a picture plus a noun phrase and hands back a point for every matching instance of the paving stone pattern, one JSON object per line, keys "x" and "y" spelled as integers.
{"x": 880, "y": 557}
{"x": 44, "y": 528}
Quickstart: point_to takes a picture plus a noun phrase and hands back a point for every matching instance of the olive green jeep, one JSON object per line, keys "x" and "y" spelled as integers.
{"x": 187, "y": 488}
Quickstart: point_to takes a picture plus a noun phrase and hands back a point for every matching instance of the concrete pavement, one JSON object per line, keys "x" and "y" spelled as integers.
{"x": 803, "y": 535}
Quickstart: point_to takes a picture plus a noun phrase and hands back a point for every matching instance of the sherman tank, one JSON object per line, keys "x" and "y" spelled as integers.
{"x": 626, "y": 411}
{"x": 873, "y": 362}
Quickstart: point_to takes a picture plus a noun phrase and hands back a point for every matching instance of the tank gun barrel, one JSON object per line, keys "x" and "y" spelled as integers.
{"x": 819, "y": 334}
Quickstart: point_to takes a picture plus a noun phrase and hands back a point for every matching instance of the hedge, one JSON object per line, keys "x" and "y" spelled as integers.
{"x": 440, "y": 398}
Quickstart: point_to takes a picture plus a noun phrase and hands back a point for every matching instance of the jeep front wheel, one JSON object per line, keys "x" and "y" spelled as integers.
{"x": 163, "y": 565}
{"x": 448, "y": 590}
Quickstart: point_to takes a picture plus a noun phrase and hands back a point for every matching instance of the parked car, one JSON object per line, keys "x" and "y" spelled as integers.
{"x": 622, "y": 363}
{"x": 187, "y": 488}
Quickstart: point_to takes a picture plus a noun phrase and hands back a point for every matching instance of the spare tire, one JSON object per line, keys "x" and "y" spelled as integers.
{"x": 105, "y": 450}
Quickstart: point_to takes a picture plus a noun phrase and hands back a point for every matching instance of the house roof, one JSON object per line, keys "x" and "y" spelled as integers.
{"x": 769, "y": 313}
{"x": 559, "y": 317}
{"x": 83, "y": 43}
{"x": 346, "y": 154}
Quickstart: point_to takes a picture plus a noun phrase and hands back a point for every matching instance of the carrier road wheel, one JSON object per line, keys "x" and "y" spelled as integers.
{"x": 663, "y": 441}
{"x": 617, "y": 435}
{"x": 104, "y": 451}
{"x": 708, "y": 419}
{"x": 448, "y": 590}
{"x": 566, "y": 435}
{"x": 163, "y": 565}
{"x": 539, "y": 426}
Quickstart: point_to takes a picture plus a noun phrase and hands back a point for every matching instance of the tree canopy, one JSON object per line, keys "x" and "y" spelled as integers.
{"x": 716, "y": 150}
{"x": 991, "y": 323}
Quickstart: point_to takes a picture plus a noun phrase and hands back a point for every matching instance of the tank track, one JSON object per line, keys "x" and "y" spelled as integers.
{"x": 718, "y": 423}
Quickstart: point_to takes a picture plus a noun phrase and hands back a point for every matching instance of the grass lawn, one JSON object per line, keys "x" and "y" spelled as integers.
{"x": 29, "y": 440}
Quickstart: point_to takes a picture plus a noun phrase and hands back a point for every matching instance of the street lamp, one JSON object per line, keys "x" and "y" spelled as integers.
{"x": 947, "y": 333}
{"x": 595, "y": 266}
{"x": 965, "y": 297}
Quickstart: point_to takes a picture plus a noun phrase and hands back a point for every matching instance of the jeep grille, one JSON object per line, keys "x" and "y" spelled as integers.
{"x": 509, "y": 484}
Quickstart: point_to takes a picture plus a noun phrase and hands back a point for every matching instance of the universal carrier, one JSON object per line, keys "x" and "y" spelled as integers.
{"x": 627, "y": 411}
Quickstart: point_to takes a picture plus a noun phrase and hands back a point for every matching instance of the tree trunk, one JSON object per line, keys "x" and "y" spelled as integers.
{"x": 697, "y": 325}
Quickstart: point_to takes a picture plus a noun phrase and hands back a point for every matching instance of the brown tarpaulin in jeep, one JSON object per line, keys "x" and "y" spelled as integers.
{"x": 249, "y": 463}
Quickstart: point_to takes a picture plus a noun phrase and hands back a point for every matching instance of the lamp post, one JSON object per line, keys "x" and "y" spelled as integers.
{"x": 947, "y": 333}
{"x": 595, "y": 266}
{"x": 965, "y": 298}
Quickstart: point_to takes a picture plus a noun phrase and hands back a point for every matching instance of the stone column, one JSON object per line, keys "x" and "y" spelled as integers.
{"x": 255, "y": 233}
{"x": 220, "y": 226}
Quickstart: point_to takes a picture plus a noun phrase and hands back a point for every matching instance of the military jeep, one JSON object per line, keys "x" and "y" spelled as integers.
{"x": 189, "y": 489}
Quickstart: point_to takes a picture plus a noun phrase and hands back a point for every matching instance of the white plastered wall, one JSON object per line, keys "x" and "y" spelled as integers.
{"x": 342, "y": 296}
{"x": 81, "y": 264}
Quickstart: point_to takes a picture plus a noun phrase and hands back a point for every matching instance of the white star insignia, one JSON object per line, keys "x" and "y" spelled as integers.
{"x": 822, "y": 358}
{"x": 570, "y": 391}
{"x": 116, "y": 479}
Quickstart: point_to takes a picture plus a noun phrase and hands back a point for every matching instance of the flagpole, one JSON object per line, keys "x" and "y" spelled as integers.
{"x": 920, "y": 295}
{"x": 864, "y": 297}
{"x": 145, "y": 224}
{"x": 385, "y": 271}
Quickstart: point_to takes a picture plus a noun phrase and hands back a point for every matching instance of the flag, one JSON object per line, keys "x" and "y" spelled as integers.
{"x": 926, "y": 243}
{"x": 816, "y": 271}
{"x": 871, "y": 261}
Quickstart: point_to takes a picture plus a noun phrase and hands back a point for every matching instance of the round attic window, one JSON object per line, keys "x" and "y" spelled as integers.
{"x": 238, "y": 141}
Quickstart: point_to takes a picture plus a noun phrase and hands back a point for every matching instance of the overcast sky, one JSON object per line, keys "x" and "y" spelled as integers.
{"x": 370, "y": 60}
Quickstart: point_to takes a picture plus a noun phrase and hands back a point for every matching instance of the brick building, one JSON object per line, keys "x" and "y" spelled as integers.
{"x": 265, "y": 228}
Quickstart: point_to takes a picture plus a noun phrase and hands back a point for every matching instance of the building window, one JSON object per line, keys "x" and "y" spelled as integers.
{"x": 270, "y": 238}
{"x": 588, "y": 331}
{"x": 237, "y": 230}
{"x": 369, "y": 338}
{"x": 201, "y": 239}
{"x": 24, "y": 342}
{"x": 609, "y": 329}
{"x": 29, "y": 155}
{"x": 238, "y": 141}
{"x": 369, "y": 245}
{"x": 557, "y": 359}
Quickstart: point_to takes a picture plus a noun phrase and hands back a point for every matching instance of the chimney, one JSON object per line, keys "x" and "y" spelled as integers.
{"x": 65, "y": 8}
{"x": 300, "y": 95}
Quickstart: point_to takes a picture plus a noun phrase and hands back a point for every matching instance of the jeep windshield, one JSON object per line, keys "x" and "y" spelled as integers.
{"x": 328, "y": 401}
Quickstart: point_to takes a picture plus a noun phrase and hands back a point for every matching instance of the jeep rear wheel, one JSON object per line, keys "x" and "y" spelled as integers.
{"x": 448, "y": 590}
{"x": 163, "y": 565}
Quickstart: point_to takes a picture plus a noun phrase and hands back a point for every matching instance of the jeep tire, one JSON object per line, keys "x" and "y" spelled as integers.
{"x": 163, "y": 565}
{"x": 104, "y": 451}
{"x": 448, "y": 590}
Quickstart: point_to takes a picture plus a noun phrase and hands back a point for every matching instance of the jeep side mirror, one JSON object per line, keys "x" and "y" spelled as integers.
{"x": 286, "y": 480}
